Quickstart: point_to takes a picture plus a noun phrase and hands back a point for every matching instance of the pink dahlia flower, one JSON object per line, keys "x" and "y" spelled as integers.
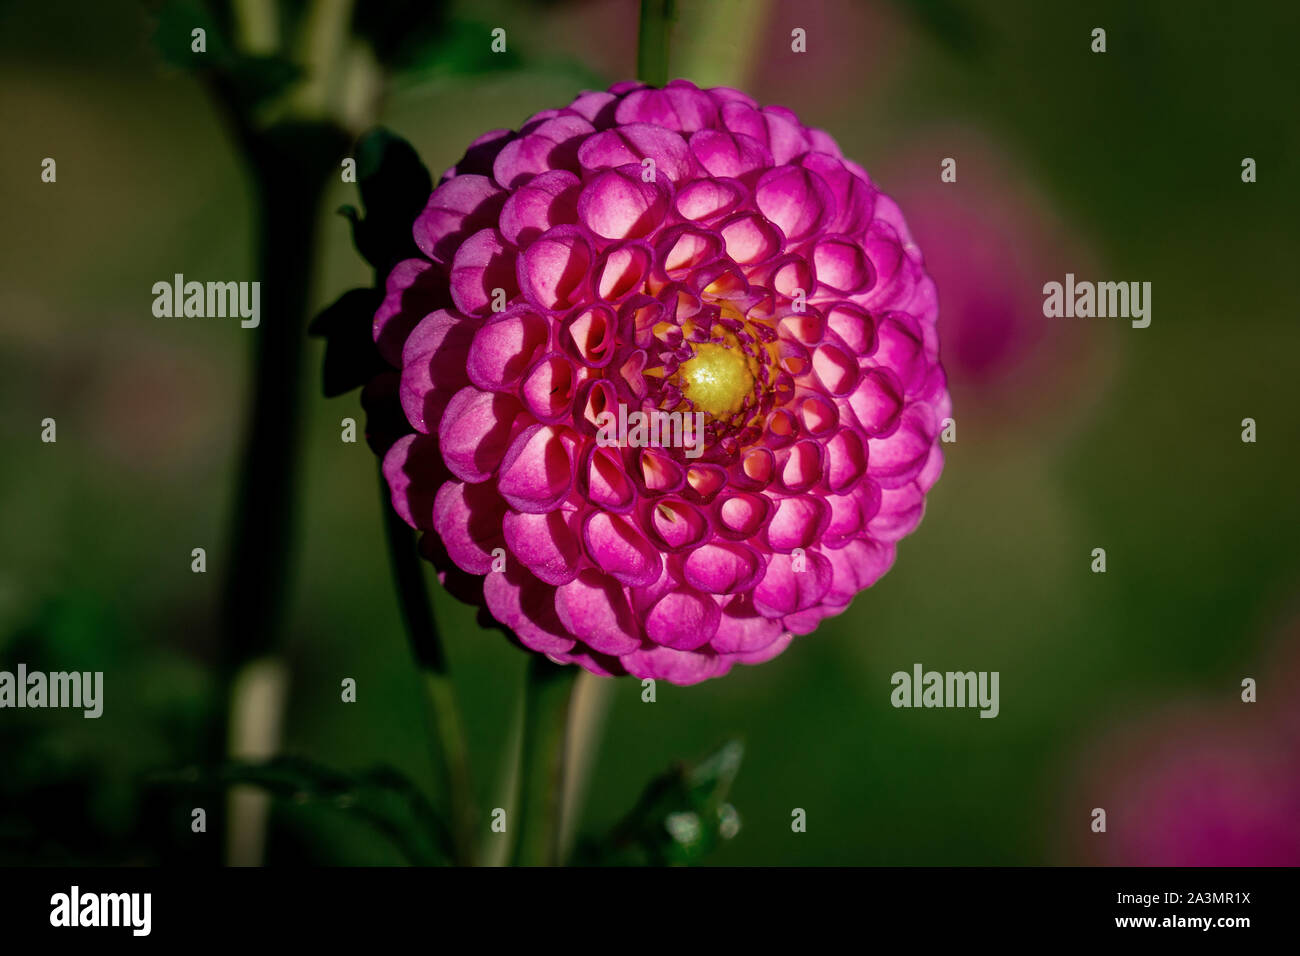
{"x": 674, "y": 251}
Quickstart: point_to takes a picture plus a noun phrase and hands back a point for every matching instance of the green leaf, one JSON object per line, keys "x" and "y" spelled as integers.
{"x": 382, "y": 797}
{"x": 255, "y": 79}
{"x": 401, "y": 32}
{"x": 174, "y": 39}
{"x": 681, "y": 816}
{"x": 252, "y": 79}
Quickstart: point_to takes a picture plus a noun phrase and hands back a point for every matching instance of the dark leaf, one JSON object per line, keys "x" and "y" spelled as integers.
{"x": 382, "y": 797}
{"x": 401, "y": 32}
{"x": 257, "y": 78}
{"x": 680, "y": 817}
{"x": 351, "y": 359}
{"x": 395, "y": 187}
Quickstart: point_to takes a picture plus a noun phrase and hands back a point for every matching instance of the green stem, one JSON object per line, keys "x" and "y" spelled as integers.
{"x": 718, "y": 41}
{"x": 290, "y": 186}
{"x": 591, "y": 700}
{"x": 257, "y": 26}
{"x": 547, "y": 692}
{"x": 291, "y": 163}
{"x": 652, "y": 40}
{"x": 291, "y": 160}
{"x": 450, "y": 753}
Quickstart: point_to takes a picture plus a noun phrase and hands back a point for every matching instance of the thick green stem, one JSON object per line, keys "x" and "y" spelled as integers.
{"x": 548, "y": 691}
{"x": 652, "y": 40}
{"x": 450, "y": 754}
{"x": 290, "y": 165}
{"x": 258, "y": 578}
{"x": 290, "y": 160}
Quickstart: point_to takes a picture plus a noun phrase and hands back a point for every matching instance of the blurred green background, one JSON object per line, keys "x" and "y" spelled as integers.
{"x": 1072, "y": 433}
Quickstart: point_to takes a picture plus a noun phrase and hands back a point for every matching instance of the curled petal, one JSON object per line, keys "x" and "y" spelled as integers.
{"x": 853, "y": 326}
{"x": 552, "y": 144}
{"x": 554, "y": 270}
{"x": 457, "y": 209}
{"x": 468, "y": 520}
{"x": 635, "y": 143}
{"x": 413, "y": 289}
{"x": 877, "y": 401}
{"x": 620, "y": 204}
{"x": 679, "y": 108}
{"x": 898, "y": 457}
{"x": 614, "y": 545}
{"x": 590, "y": 335}
{"x": 594, "y": 609}
{"x": 750, "y": 239}
{"x": 475, "y": 432}
{"x": 548, "y": 388}
{"x": 546, "y": 544}
{"x": 675, "y": 524}
{"x": 527, "y": 606}
{"x": 776, "y": 129}
{"x": 504, "y": 347}
{"x": 537, "y": 470}
{"x": 604, "y": 480}
{"x": 433, "y": 370}
{"x": 684, "y": 619}
{"x": 483, "y": 264}
{"x": 798, "y": 523}
{"x": 547, "y": 201}
{"x": 857, "y": 566}
{"x": 841, "y": 265}
{"x": 727, "y": 154}
{"x": 723, "y": 568}
{"x": 785, "y": 590}
{"x": 742, "y": 630}
{"x": 677, "y": 667}
{"x": 846, "y": 460}
{"x": 704, "y": 200}
{"x": 741, "y": 516}
{"x": 796, "y": 199}
{"x": 622, "y": 270}
{"x": 408, "y": 466}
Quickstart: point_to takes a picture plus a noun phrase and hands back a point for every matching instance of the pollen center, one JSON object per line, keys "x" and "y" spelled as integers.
{"x": 717, "y": 379}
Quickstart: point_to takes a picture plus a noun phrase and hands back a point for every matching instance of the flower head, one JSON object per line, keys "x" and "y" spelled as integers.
{"x": 670, "y": 372}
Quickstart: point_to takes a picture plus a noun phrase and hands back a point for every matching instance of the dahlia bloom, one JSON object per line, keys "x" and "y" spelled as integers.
{"x": 669, "y": 250}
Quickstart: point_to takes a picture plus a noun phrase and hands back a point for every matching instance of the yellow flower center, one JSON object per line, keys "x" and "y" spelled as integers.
{"x": 717, "y": 379}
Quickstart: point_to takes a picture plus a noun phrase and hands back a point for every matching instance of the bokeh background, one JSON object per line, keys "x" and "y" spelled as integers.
{"x": 1118, "y": 690}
